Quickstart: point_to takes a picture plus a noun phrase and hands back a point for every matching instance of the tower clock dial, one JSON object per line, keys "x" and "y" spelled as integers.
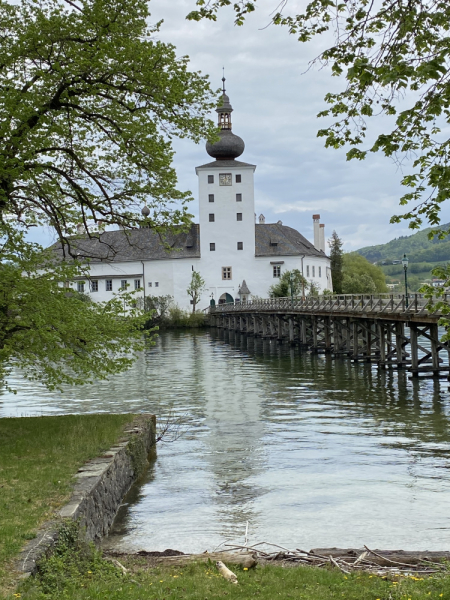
{"x": 225, "y": 179}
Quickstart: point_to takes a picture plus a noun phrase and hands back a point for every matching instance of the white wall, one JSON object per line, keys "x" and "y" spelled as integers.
{"x": 174, "y": 275}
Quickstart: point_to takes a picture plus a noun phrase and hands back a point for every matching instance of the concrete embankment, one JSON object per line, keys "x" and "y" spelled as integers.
{"x": 100, "y": 487}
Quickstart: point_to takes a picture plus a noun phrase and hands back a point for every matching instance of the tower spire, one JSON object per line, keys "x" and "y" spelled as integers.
{"x": 226, "y": 109}
{"x": 223, "y": 80}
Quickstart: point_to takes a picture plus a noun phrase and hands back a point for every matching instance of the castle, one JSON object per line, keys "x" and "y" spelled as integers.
{"x": 237, "y": 257}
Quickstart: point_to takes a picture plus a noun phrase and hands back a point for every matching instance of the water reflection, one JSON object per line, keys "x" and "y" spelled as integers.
{"x": 308, "y": 449}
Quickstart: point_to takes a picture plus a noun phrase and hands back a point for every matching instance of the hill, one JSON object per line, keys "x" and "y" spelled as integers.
{"x": 423, "y": 254}
{"x": 417, "y": 247}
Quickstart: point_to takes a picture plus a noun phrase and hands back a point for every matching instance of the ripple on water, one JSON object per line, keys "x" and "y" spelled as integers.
{"x": 310, "y": 451}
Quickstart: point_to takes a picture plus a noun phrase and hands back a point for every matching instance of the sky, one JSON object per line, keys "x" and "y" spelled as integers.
{"x": 276, "y": 98}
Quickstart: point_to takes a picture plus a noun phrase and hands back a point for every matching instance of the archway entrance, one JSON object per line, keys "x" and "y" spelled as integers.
{"x": 226, "y": 299}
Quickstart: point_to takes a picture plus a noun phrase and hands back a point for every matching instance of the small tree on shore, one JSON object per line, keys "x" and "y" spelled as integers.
{"x": 282, "y": 289}
{"x": 196, "y": 288}
{"x": 335, "y": 244}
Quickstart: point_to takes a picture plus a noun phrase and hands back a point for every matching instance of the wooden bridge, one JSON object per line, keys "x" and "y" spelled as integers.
{"x": 386, "y": 329}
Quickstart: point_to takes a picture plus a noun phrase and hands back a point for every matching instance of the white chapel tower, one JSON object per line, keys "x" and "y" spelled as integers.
{"x": 226, "y": 209}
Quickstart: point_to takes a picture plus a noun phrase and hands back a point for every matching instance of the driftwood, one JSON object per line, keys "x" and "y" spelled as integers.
{"x": 379, "y": 562}
{"x": 244, "y": 559}
{"x": 384, "y": 558}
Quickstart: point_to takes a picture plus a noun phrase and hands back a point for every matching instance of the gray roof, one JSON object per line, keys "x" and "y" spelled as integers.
{"x": 271, "y": 239}
{"x": 243, "y": 288}
{"x": 136, "y": 245}
{"x": 274, "y": 239}
{"x": 221, "y": 164}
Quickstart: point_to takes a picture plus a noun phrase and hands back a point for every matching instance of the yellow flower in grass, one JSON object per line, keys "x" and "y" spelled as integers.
{"x": 245, "y": 568}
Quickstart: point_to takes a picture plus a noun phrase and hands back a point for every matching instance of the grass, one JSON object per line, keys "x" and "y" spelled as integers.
{"x": 81, "y": 574}
{"x": 38, "y": 459}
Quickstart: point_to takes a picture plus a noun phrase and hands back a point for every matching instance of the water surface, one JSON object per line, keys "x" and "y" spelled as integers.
{"x": 308, "y": 450}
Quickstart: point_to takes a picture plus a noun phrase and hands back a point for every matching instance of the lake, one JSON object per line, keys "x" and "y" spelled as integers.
{"x": 311, "y": 451}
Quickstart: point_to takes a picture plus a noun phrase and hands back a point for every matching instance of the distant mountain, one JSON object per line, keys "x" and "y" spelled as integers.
{"x": 417, "y": 247}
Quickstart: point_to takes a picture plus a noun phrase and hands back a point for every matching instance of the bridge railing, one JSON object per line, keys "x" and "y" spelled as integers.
{"x": 358, "y": 303}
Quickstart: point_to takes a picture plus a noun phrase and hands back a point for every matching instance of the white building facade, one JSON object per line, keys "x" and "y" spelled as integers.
{"x": 237, "y": 257}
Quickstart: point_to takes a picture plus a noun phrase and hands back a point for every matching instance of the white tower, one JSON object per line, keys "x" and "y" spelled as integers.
{"x": 226, "y": 210}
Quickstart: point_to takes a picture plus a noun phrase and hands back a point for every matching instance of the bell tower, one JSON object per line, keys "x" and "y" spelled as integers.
{"x": 227, "y": 209}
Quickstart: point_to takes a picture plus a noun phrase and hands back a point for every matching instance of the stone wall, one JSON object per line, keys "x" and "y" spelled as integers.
{"x": 100, "y": 487}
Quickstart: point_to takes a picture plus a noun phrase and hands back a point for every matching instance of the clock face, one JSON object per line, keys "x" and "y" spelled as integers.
{"x": 225, "y": 179}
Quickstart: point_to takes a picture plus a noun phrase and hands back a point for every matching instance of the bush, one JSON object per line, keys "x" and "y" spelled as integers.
{"x": 177, "y": 317}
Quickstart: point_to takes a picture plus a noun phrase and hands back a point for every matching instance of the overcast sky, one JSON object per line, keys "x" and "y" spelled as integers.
{"x": 275, "y": 105}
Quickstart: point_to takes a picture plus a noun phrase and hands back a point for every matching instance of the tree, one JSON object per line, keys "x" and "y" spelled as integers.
{"x": 394, "y": 55}
{"x": 86, "y": 121}
{"x": 56, "y": 335}
{"x": 195, "y": 289}
{"x": 335, "y": 244}
{"x": 282, "y": 289}
{"x": 360, "y": 276}
{"x": 158, "y": 308}
{"x": 89, "y": 104}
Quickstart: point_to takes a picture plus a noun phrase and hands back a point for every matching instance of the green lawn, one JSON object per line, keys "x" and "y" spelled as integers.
{"x": 38, "y": 458}
{"x": 90, "y": 578}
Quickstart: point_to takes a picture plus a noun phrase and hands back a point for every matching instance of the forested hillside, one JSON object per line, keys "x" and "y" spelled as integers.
{"x": 423, "y": 255}
{"x": 417, "y": 247}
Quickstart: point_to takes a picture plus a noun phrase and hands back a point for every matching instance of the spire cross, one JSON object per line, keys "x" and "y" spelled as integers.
{"x": 223, "y": 79}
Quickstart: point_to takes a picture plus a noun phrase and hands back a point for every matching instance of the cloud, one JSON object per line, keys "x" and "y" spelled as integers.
{"x": 276, "y": 100}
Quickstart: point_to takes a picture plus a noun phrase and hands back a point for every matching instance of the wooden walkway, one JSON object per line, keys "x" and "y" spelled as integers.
{"x": 377, "y": 328}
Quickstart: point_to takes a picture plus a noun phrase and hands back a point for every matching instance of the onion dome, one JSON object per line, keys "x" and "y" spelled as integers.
{"x": 145, "y": 211}
{"x": 229, "y": 146}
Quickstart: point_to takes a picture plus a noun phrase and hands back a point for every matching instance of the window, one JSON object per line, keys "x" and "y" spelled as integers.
{"x": 238, "y": 216}
{"x": 238, "y": 197}
{"x": 320, "y": 271}
{"x": 210, "y": 178}
{"x": 240, "y": 245}
{"x": 109, "y": 285}
{"x": 313, "y": 271}
{"x": 238, "y": 178}
{"x": 226, "y": 272}
{"x": 80, "y": 287}
{"x": 94, "y": 286}
{"x": 67, "y": 284}
{"x": 211, "y": 197}
{"x": 156, "y": 283}
{"x": 307, "y": 270}
{"x": 211, "y": 217}
{"x": 212, "y": 246}
{"x": 137, "y": 284}
{"x": 149, "y": 284}
{"x": 123, "y": 284}
{"x": 276, "y": 271}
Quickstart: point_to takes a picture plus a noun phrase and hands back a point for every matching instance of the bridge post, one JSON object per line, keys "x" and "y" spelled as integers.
{"x": 414, "y": 349}
{"x": 382, "y": 344}
{"x": 434, "y": 341}
{"x": 399, "y": 337}
{"x": 264, "y": 326}
{"x": 355, "y": 337}
{"x": 291, "y": 331}
{"x": 279, "y": 329}
{"x": 303, "y": 332}
{"x": 327, "y": 333}
{"x": 315, "y": 344}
